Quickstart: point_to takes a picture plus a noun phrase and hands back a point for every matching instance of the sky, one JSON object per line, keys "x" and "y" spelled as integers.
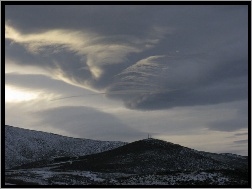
{"x": 119, "y": 73}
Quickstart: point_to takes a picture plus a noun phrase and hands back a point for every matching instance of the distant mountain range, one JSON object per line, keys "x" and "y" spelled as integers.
{"x": 144, "y": 162}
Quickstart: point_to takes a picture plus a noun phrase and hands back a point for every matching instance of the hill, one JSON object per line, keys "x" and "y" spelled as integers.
{"x": 24, "y": 146}
{"x": 153, "y": 155}
{"x": 143, "y": 162}
{"x": 41, "y": 158}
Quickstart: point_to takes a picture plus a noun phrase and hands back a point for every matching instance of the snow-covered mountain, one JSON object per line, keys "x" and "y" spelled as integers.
{"x": 24, "y": 146}
{"x": 144, "y": 162}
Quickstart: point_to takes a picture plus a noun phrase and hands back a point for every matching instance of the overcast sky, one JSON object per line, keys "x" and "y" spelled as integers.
{"x": 179, "y": 73}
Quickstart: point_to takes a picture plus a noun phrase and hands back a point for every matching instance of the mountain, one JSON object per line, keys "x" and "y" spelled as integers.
{"x": 144, "y": 162}
{"x": 25, "y": 146}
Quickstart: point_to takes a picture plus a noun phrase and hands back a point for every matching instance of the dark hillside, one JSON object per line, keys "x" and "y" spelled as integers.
{"x": 146, "y": 156}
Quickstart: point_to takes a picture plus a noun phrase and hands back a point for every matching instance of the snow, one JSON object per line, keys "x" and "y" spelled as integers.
{"x": 177, "y": 179}
{"x": 8, "y": 183}
{"x": 92, "y": 176}
{"x": 24, "y": 146}
{"x": 45, "y": 176}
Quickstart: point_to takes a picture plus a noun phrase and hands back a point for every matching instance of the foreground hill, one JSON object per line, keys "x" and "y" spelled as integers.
{"x": 152, "y": 155}
{"x": 144, "y": 162}
{"x": 24, "y": 146}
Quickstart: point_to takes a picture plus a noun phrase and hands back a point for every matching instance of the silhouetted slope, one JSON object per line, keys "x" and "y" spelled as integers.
{"x": 147, "y": 156}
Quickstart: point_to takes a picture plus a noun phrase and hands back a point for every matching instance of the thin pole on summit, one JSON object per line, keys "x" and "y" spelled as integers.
{"x": 149, "y": 136}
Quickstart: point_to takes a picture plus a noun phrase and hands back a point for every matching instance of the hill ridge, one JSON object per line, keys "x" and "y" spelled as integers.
{"x": 146, "y": 161}
{"x": 153, "y": 155}
{"x": 24, "y": 146}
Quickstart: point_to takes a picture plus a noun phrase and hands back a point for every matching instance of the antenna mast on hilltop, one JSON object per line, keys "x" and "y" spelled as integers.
{"x": 149, "y": 136}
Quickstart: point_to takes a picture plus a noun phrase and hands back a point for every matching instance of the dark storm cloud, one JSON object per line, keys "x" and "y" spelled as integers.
{"x": 182, "y": 82}
{"x": 108, "y": 19}
{"x": 87, "y": 122}
{"x": 154, "y": 57}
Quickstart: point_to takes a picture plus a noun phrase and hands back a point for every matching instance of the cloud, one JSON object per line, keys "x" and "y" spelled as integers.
{"x": 195, "y": 56}
{"x": 86, "y": 122}
{"x": 140, "y": 79}
{"x": 236, "y": 121}
{"x": 38, "y": 82}
{"x": 179, "y": 81}
{"x": 53, "y": 93}
{"x": 97, "y": 50}
{"x": 241, "y": 142}
{"x": 229, "y": 125}
{"x": 241, "y": 134}
{"x": 13, "y": 94}
{"x": 81, "y": 43}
